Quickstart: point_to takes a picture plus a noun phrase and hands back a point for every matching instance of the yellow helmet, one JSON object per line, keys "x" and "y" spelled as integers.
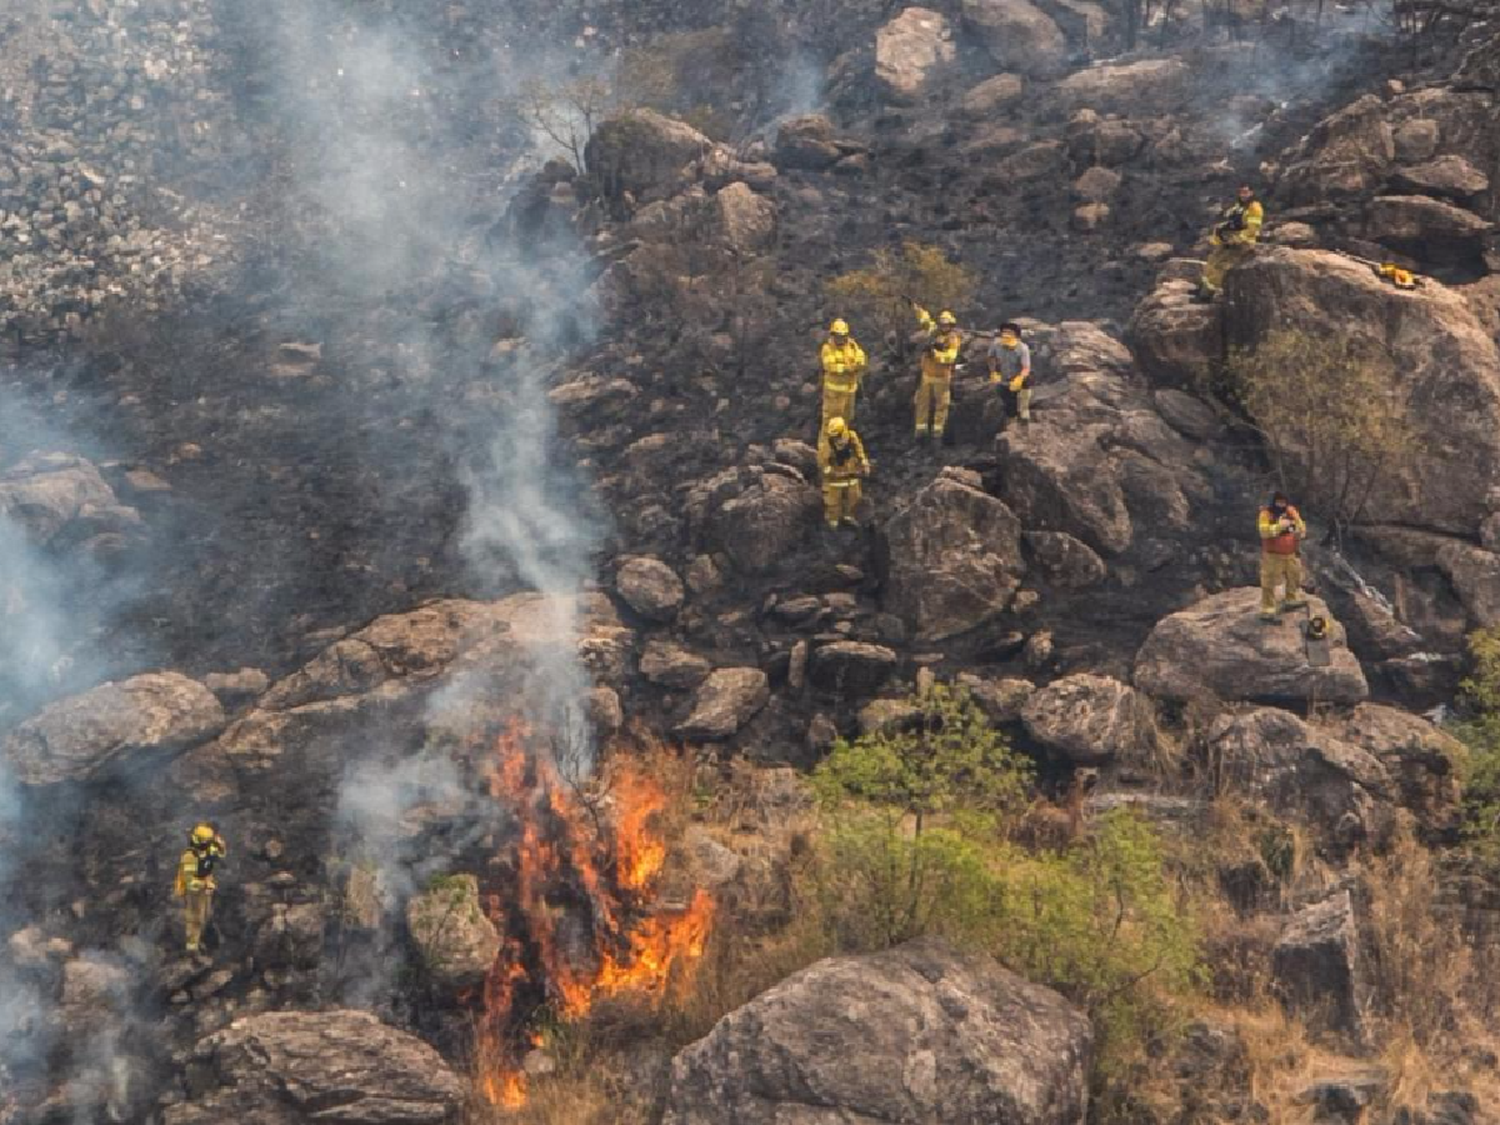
{"x": 837, "y": 427}
{"x": 203, "y": 835}
{"x": 947, "y": 319}
{"x": 839, "y": 328}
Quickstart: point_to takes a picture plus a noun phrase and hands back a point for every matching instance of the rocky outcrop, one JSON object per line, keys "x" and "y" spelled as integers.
{"x": 1064, "y": 560}
{"x": 1305, "y": 773}
{"x": 723, "y": 703}
{"x": 917, "y": 1033}
{"x": 851, "y": 669}
{"x": 1428, "y": 229}
{"x": 396, "y": 673}
{"x": 289, "y": 1068}
{"x": 1019, "y": 36}
{"x": 811, "y": 143}
{"x": 1059, "y": 478}
{"x": 1349, "y": 154}
{"x": 911, "y": 51}
{"x": 455, "y": 939}
{"x": 1091, "y": 719}
{"x": 1317, "y": 967}
{"x": 650, "y": 587}
{"x": 744, "y": 219}
{"x": 1422, "y": 762}
{"x": 1220, "y": 647}
{"x": 758, "y": 517}
{"x": 1176, "y": 338}
{"x": 113, "y": 726}
{"x": 1475, "y": 574}
{"x": 673, "y": 666}
{"x": 993, "y": 95}
{"x": 951, "y": 558}
{"x": 1150, "y": 86}
{"x": 643, "y": 152}
{"x": 1448, "y": 369}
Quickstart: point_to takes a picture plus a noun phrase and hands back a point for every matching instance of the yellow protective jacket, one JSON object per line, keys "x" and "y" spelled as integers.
{"x": 1274, "y": 541}
{"x": 1241, "y": 225}
{"x": 942, "y": 348}
{"x": 843, "y": 364}
{"x": 843, "y": 462}
{"x": 195, "y": 871}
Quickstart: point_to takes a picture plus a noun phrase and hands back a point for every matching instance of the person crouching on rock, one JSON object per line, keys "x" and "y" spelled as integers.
{"x": 1010, "y": 369}
{"x": 1281, "y": 535}
{"x": 1233, "y": 240}
{"x": 195, "y": 880}
{"x": 841, "y": 456}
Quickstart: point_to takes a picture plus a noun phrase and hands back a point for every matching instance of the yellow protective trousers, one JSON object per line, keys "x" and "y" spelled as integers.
{"x": 1221, "y": 260}
{"x": 840, "y": 499}
{"x": 838, "y": 401}
{"x": 196, "y": 908}
{"x": 1279, "y": 570}
{"x": 933, "y": 396}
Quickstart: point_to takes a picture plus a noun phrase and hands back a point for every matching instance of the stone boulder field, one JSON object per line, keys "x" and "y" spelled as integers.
{"x": 431, "y": 690}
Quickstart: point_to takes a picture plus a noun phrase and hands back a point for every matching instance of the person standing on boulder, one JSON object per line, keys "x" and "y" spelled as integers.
{"x": 1281, "y": 535}
{"x": 195, "y": 880}
{"x": 1233, "y": 240}
{"x": 843, "y": 368}
{"x": 841, "y": 457}
{"x": 1010, "y": 369}
{"x": 939, "y": 358}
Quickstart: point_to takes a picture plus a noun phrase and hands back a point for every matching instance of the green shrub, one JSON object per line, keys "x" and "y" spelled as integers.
{"x": 913, "y": 841}
{"x": 1480, "y": 732}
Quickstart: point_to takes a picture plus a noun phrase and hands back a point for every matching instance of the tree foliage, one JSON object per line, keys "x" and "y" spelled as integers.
{"x": 565, "y": 114}
{"x": 1330, "y": 417}
{"x": 1480, "y": 732}
{"x": 876, "y": 297}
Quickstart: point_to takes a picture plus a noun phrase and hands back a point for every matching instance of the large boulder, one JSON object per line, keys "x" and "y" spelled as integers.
{"x": 1176, "y": 339}
{"x": 457, "y": 941}
{"x": 1423, "y": 763}
{"x": 1018, "y": 35}
{"x": 951, "y": 558}
{"x": 673, "y": 666}
{"x": 1059, "y": 478}
{"x": 1305, "y": 773}
{"x": 755, "y": 516}
{"x": 1220, "y": 647}
{"x": 46, "y": 492}
{"x": 744, "y": 219}
{"x": 1475, "y": 574}
{"x": 1430, "y": 230}
{"x": 291, "y": 1068}
{"x": 1447, "y": 371}
{"x": 724, "y": 702}
{"x": 851, "y": 669}
{"x": 1448, "y": 177}
{"x": 1092, "y": 719}
{"x": 150, "y": 716}
{"x": 910, "y": 51}
{"x": 1136, "y": 89}
{"x": 1064, "y": 560}
{"x": 1346, "y": 155}
{"x": 650, "y": 587}
{"x": 993, "y": 95}
{"x": 643, "y": 152}
{"x": 919, "y": 1033}
{"x": 809, "y": 142}
{"x": 1317, "y": 966}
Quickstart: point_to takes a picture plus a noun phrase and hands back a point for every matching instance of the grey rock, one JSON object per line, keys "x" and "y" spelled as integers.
{"x": 851, "y": 669}
{"x": 1220, "y": 647}
{"x": 77, "y": 738}
{"x": 673, "y": 666}
{"x": 915, "y": 1034}
{"x": 457, "y": 941}
{"x": 1003, "y": 700}
{"x": 650, "y": 587}
{"x": 724, "y": 702}
{"x": 910, "y": 51}
{"x": 1064, "y": 560}
{"x": 1018, "y": 35}
{"x": 1092, "y": 719}
{"x": 289, "y": 1068}
{"x": 1316, "y": 964}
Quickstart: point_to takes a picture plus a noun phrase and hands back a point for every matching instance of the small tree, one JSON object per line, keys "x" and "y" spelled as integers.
{"x": 1330, "y": 417}
{"x": 565, "y": 113}
{"x": 878, "y": 295}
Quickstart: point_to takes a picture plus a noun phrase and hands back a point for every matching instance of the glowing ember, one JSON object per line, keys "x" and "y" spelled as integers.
{"x": 582, "y": 921}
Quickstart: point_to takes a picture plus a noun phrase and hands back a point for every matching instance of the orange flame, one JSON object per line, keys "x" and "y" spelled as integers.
{"x": 569, "y": 850}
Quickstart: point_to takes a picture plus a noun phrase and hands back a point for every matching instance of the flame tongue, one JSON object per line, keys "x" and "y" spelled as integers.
{"x": 582, "y": 920}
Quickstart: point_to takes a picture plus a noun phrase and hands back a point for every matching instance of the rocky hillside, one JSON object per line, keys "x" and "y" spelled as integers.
{"x": 408, "y": 417}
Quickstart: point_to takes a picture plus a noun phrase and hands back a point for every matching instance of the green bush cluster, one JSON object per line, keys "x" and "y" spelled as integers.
{"x": 875, "y": 299}
{"x": 1480, "y": 732}
{"x": 914, "y": 841}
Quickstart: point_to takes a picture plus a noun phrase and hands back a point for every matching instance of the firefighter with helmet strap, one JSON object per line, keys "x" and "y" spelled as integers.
{"x": 195, "y": 880}
{"x": 841, "y": 457}
{"x": 843, "y": 368}
{"x": 1233, "y": 239}
{"x": 1281, "y": 533}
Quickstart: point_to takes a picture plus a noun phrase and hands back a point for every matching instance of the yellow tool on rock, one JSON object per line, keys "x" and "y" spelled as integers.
{"x": 1400, "y": 278}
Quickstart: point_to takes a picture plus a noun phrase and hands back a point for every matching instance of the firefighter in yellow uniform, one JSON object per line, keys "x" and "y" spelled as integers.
{"x": 1281, "y": 534}
{"x": 841, "y": 457}
{"x": 843, "y": 368}
{"x": 195, "y": 880}
{"x": 1233, "y": 239}
{"x": 939, "y": 358}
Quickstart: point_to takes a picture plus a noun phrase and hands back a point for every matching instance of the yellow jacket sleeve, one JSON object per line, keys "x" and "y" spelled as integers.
{"x": 1255, "y": 215}
{"x": 859, "y": 453}
{"x": 859, "y": 360}
{"x": 924, "y": 318}
{"x": 833, "y": 360}
{"x": 1267, "y": 525}
{"x": 945, "y": 350}
{"x": 187, "y": 873}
